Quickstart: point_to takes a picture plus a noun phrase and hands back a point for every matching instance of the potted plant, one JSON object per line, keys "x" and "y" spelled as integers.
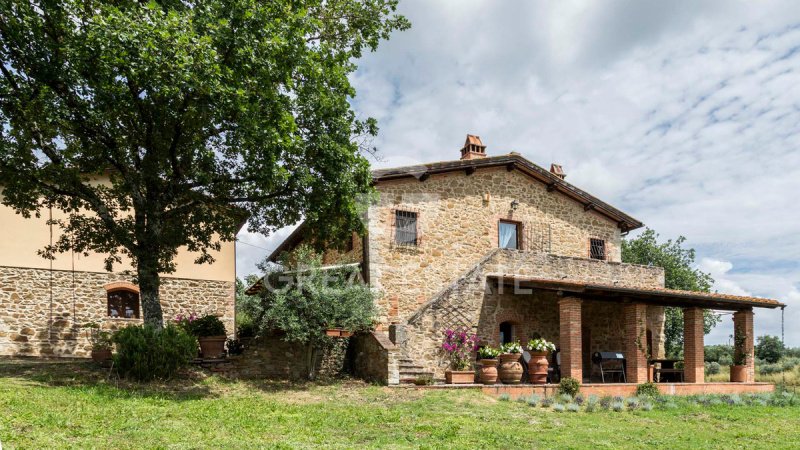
{"x": 739, "y": 367}
{"x": 101, "y": 344}
{"x": 459, "y": 345}
{"x": 510, "y": 370}
{"x": 338, "y": 332}
{"x": 210, "y": 332}
{"x": 537, "y": 368}
{"x": 489, "y": 362}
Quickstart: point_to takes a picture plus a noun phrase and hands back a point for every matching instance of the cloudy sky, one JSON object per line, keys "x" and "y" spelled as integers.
{"x": 685, "y": 114}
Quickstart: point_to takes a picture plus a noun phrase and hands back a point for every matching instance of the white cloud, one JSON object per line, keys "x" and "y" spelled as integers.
{"x": 685, "y": 114}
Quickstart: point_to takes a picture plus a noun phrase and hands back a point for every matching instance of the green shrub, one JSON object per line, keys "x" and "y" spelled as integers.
{"x": 647, "y": 390}
{"x": 569, "y": 386}
{"x": 145, "y": 353}
{"x": 208, "y": 325}
{"x": 504, "y": 397}
{"x": 712, "y": 368}
{"x": 572, "y": 407}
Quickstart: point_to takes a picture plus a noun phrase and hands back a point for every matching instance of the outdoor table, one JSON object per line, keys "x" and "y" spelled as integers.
{"x": 667, "y": 370}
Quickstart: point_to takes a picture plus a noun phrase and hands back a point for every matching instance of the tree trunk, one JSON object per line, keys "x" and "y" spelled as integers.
{"x": 149, "y": 284}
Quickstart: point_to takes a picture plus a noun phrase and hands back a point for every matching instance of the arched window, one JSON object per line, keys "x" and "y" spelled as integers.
{"x": 122, "y": 300}
{"x": 506, "y": 332}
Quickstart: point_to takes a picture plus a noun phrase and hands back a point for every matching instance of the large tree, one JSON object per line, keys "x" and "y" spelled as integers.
{"x": 199, "y": 114}
{"x": 679, "y": 273}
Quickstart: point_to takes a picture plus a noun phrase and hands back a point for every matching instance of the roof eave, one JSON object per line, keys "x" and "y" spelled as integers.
{"x": 512, "y": 161}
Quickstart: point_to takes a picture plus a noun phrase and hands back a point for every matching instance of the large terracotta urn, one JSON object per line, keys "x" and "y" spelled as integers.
{"x": 738, "y": 374}
{"x": 510, "y": 370}
{"x": 488, "y": 372}
{"x": 212, "y": 346}
{"x": 537, "y": 368}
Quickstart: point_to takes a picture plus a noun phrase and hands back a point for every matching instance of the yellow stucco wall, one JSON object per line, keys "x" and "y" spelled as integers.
{"x": 20, "y": 238}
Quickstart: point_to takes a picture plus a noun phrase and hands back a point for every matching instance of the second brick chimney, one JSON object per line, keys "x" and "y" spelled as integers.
{"x": 557, "y": 170}
{"x": 473, "y": 148}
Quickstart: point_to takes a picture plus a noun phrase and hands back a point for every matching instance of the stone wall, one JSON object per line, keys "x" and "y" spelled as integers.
{"x": 374, "y": 358}
{"x": 457, "y": 224}
{"x": 480, "y": 306}
{"x": 271, "y": 357}
{"x": 33, "y": 324}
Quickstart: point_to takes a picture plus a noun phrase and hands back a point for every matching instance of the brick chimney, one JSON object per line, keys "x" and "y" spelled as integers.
{"x": 558, "y": 171}
{"x": 473, "y": 148}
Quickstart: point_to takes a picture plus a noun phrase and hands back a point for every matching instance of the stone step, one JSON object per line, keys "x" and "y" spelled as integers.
{"x": 410, "y": 366}
{"x": 414, "y": 373}
{"x": 411, "y": 379}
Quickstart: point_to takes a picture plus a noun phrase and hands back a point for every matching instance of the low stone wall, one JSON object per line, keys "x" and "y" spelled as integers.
{"x": 270, "y": 357}
{"x": 629, "y": 389}
{"x": 374, "y": 358}
{"x": 42, "y": 311}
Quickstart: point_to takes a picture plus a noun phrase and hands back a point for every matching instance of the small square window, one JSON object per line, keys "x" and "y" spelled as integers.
{"x": 508, "y": 234}
{"x": 123, "y": 304}
{"x": 405, "y": 223}
{"x": 597, "y": 249}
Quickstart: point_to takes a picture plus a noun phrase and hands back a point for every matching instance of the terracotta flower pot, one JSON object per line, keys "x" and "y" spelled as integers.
{"x": 338, "y": 332}
{"x": 738, "y": 374}
{"x": 459, "y": 376}
{"x": 488, "y": 373}
{"x": 102, "y": 356}
{"x": 510, "y": 370}
{"x": 537, "y": 368}
{"x": 212, "y": 346}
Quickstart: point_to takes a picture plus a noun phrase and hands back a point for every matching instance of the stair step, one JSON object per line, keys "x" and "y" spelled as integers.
{"x": 414, "y": 373}
{"x": 410, "y": 366}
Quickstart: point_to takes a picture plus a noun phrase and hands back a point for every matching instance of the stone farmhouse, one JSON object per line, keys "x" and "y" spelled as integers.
{"x": 512, "y": 251}
{"x": 44, "y": 304}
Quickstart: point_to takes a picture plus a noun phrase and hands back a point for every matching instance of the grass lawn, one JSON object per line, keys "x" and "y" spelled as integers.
{"x": 72, "y": 405}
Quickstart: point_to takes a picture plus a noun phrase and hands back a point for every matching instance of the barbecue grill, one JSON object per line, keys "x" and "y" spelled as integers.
{"x": 610, "y": 363}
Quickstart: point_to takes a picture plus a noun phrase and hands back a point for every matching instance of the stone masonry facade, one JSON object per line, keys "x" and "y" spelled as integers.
{"x": 473, "y": 302}
{"x": 458, "y": 219}
{"x": 42, "y": 312}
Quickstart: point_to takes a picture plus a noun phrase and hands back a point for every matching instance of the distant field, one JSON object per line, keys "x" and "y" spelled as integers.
{"x": 789, "y": 377}
{"x": 74, "y": 406}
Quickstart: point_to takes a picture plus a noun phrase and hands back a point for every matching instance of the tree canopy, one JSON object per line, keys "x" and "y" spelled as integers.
{"x": 679, "y": 273}
{"x": 165, "y": 125}
{"x": 769, "y": 348}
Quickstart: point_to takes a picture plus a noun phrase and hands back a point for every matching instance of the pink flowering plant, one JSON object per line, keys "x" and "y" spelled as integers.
{"x": 459, "y": 344}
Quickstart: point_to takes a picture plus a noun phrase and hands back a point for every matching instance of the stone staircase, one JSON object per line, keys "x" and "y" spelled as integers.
{"x": 409, "y": 371}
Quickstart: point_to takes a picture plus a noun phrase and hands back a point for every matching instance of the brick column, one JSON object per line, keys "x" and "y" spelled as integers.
{"x": 743, "y": 324}
{"x": 635, "y": 342}
{"x": 693, "y": 365}
{"x": 569, "y": 312}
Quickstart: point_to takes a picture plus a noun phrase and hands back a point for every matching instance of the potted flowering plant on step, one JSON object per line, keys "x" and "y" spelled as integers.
{"x": 489, "y": 362}
{"x": 537, "y": 369}
{"x": 210, "y": 332}
{"x": 510, "y": 370}
{"x": 459, "y": 345}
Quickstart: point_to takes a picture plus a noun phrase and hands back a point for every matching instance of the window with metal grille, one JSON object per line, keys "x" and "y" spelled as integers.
{"x": 597, "y": 249}
{"x": 123, "y": 304}
{"x": 405, "y": 223}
